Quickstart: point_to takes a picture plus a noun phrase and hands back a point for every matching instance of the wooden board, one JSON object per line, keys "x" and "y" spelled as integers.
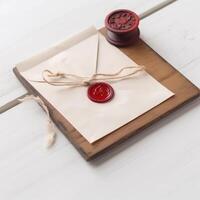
{"x": 141, "y": 53}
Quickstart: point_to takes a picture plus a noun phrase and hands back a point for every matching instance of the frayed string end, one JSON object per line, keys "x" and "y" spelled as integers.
{"x": 51, "y": 134}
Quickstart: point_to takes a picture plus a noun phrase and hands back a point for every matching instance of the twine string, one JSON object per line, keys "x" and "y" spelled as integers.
{"x": 65, "y": 79}
{"x": 51, "y": 134}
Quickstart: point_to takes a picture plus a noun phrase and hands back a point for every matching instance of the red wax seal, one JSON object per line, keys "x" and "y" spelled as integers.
{"x": 122, "y": 27}
{"x": 100, "y": 92}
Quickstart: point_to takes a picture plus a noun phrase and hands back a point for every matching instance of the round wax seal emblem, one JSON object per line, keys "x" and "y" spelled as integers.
{"x": 122, "y": 27}
{"x": 100, "y": 92}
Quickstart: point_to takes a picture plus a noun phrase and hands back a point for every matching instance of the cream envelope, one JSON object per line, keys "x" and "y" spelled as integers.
{"x": 77, "y": 55}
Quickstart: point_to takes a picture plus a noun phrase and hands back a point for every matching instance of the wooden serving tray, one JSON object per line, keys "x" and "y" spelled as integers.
{"x": 142, "y": 54}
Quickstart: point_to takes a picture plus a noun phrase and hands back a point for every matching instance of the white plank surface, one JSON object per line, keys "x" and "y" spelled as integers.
{"x": 174, "y": 33}
{"x": 161, "y": 163}
{"x": 28, "y": 27}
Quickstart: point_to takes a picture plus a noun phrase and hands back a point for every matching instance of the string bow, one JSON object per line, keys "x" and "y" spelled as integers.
{"x": 65, "y": 79}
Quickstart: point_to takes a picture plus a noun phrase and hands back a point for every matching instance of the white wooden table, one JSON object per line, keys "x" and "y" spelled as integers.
{"x": 162, "y": 162}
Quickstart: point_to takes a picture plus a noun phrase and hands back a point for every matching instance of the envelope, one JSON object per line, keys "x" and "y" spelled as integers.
{"x": 133, "y": 96}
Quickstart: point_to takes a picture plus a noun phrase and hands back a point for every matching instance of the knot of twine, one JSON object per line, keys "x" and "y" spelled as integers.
{"x": 65, "y": 79}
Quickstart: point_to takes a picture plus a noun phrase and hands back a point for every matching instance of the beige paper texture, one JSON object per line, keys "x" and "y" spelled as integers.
{"x": 133, "y": 96}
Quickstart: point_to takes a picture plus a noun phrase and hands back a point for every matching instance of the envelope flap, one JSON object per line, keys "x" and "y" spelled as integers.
{"x": 56, "y": 49}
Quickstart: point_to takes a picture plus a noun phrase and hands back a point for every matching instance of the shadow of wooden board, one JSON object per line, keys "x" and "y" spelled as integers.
{"x": 167, "y": 75}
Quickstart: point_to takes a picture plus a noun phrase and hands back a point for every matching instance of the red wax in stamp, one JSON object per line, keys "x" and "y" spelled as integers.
{"x": 100, "y": 92}
{"x": 122, "y": 27}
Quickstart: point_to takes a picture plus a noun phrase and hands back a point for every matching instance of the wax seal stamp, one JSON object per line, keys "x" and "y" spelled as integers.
{"x": 122, "y": 27}
{"x": 100, "y": 92}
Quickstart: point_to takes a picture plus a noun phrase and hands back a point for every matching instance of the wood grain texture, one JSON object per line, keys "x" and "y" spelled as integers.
{"x": 32, "y": 26}
{"x": 184, "y": 91}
